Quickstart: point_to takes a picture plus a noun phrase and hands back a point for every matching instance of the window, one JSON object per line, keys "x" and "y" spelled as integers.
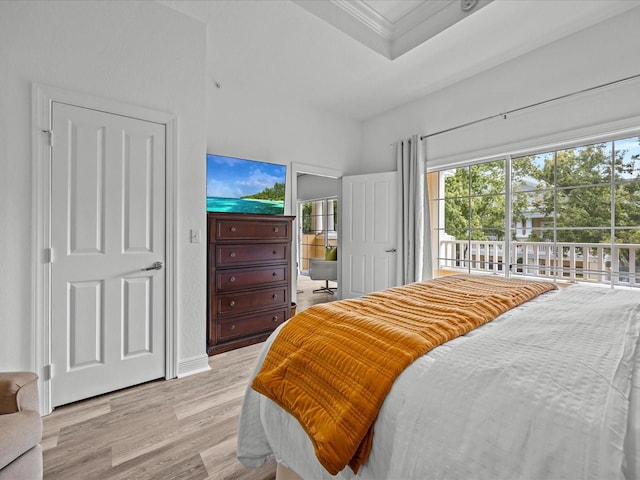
{"x": 570, "y": 214}
{"x": 319, "y": 227}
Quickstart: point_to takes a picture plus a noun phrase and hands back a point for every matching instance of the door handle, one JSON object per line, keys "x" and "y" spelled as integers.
{"x": 392, "y": 250}
{"x": 155, "y": 266}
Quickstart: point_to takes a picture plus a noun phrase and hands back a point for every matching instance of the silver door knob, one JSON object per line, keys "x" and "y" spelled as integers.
{"x": 392, "y": 250}
{"x": 155, "y": 266}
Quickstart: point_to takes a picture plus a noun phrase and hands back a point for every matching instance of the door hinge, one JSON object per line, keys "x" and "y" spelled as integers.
{"x": 50, "y": 134}
{"x": 47, "y": 372}
{"x": 48, "y": 255}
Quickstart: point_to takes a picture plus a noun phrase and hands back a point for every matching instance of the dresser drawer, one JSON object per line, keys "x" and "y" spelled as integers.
{"x": 241, "y": 278}
{"x": 229, "y": 229}
{"x": 231, "y": 303}
{"x": 250, "y": 324}
{"x": 231, "y": 255}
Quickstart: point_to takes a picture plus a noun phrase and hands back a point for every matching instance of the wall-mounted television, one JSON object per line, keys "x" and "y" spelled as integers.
{"x": 237, "y": 185}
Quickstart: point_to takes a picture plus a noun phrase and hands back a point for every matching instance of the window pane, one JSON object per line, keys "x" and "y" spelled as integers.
{"x": 487, "y": 234}
{"x": 538, "y": 231}
{"x": 488, "y": 212}
{"x": 584, "y": 207}
{"x": 624, "y": 264}
{"x": 530, "y": 211}
{"x": 582, "y": 262}
{"x": 453, "y": 253}
{"x": 486, "y": 254}
{"x": 627, "y": 159}
{"x": 584, "y": 236}
{"x": 534, "y": 172}
{"x": 459, "y": 234}
{"x": 456, "y": 182}
{"x": 628, "y": 205}
{"x": 533, "y": 258}
{"x": 487, "y": 178}
{"x": 588, "y": 165}
{"x": 456, "y": 215}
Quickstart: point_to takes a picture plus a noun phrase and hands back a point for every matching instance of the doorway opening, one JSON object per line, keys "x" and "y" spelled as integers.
{"x": 317, "y": 251}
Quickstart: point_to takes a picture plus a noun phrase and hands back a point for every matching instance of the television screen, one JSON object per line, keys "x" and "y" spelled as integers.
{"x": 245, "y": 186}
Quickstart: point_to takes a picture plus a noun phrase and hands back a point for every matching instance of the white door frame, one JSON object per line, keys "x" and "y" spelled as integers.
{"x": 41, "y": 108}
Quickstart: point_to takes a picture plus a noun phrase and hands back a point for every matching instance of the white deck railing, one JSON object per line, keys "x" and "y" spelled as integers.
{"x": 585, "y": 262}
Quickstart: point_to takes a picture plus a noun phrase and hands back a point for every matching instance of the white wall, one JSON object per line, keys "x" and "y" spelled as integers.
{"x": 148, "y": 55}
{"x": 258, "y": 120}
{"x": 265, "y": 128}
{"x": 314, "y": 187}
{"x": 598, "y": 55}
{"x": 260, "y": 127}
{"x": 133, "y": 52}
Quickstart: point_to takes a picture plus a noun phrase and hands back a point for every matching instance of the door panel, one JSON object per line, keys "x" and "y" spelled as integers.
{"x": 369, "y": 229}
{"x": 138, "y": 193}
{"x": 85, "y": 324}
{"x": 136, "y": 322}
{"x": 85, "y": 188}
{"x": 107, "y": 225}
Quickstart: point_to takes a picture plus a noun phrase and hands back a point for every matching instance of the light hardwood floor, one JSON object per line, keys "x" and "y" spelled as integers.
{"x": 178, "y": 429}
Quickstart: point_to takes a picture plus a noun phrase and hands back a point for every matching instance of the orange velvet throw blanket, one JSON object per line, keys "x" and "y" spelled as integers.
{"x": 332, "y": 365}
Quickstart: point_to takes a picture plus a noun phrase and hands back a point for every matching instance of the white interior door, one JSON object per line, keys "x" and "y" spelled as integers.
{"x": 368, "y": 258}
{"x": 107, "y": 227}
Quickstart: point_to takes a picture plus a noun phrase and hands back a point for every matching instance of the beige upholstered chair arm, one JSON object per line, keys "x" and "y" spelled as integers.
{"x": 18, "y": 392}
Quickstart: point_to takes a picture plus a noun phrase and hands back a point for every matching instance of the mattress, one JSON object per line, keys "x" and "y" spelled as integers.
{"x": 547, "y": 390}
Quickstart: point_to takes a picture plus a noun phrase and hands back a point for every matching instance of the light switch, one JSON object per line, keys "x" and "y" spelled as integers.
{"x": 195, "y": 236}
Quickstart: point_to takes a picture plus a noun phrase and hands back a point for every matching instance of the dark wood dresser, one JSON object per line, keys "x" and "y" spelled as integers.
{"x": 248, "y": 279}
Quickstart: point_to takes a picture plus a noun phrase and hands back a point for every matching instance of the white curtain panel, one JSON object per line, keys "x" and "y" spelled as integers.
{"x": 414, "y": 238}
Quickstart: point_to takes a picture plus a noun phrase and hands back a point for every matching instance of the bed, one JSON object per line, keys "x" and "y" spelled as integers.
{"x": 549, "y": 389}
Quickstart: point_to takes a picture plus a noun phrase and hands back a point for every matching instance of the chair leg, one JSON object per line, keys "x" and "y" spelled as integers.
{"x": 325, "y": 289}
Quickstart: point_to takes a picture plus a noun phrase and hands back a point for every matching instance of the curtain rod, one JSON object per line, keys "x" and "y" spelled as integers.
{"x": 509, "y": 112}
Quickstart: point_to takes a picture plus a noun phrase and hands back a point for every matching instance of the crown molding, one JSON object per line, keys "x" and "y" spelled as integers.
{"x": 392, "y": 37}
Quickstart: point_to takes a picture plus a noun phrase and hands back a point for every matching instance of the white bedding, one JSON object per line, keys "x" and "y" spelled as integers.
{"x": 542, "y": 392}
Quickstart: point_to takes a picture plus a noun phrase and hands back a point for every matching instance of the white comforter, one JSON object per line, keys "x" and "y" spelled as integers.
{"x": 545, "y": 391}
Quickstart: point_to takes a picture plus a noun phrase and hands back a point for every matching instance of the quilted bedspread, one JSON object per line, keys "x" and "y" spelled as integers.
{"x": 332, "y": 365}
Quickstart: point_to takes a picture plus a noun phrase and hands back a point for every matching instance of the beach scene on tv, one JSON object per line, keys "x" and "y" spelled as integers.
{"x": 236, "y": 185}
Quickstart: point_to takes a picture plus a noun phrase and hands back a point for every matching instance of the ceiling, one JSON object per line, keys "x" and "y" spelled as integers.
{"x": 392, "y": 27}
{"x": 361, "y": 58}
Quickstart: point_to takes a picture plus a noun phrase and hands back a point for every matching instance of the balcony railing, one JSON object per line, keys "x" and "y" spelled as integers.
{"x": 583, "y": 262}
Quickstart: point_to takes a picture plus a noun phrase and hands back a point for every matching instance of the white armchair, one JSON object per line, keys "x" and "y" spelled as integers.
{"x": 321, "y": 269}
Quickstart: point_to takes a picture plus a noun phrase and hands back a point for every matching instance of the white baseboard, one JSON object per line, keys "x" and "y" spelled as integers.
{"x": 193, "y": 365}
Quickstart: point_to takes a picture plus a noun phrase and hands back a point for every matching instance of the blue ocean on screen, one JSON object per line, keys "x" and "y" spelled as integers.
{"x": 237, "y": 185}
{"x": 242, "y": 205}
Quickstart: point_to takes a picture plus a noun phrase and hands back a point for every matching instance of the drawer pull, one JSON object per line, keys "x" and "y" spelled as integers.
{"x": 233, "y": 229}
{"x": 232, "y": 279}
{"x": 275, "y": 253}
{"x": 275, "y": 318}
{"x": 275, "y": 274}
{"x": 275, "y": 295}
{"x": 232, "y": 326}
{"x": 276, "y": 229}
{"x": 232, "y": 254}
{"x": 232, "y": 303}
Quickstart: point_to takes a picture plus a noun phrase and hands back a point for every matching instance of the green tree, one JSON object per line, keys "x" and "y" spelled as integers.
{"x": 475, "y": 202}
{"x": 571, "y": 186}
{"x": 274, "y": 193}
{"x": 582, "y": 197}
{"x": 306, "y": 217}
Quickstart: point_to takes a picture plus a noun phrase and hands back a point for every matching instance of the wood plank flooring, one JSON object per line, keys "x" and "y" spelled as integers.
{"x": 177, "y": 429}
